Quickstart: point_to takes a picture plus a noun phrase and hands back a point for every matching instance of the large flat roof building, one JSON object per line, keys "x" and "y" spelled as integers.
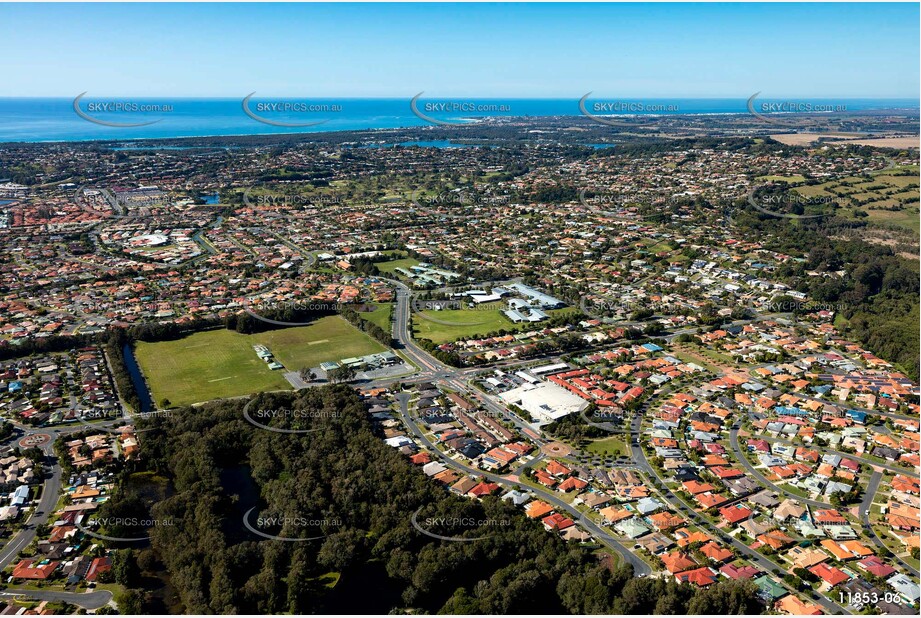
{"x": 545, "y": 402}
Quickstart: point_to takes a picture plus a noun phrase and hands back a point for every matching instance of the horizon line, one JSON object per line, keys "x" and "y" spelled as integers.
{"x": 476, "y": 97}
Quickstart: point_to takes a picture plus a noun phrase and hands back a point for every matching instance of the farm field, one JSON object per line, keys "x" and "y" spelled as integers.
{"x": 887, "y": 197}
{"x": 907, "y": 219}
{"x": 844, "y": 138}
{"x": 221, "y": 363}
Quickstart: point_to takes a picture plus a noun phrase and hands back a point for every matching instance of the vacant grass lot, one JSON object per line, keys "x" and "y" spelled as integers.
{"x": 380, "y": 315}
{"x": 391, "y": 266}
{"x": 614, "y": 445}
{"x": 221, "y": 363}
{"x": 907, "y": 219}
{"x": 453, "y": 324}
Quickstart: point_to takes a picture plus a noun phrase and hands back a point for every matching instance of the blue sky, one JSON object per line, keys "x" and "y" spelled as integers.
{"x": 472, "y": 50}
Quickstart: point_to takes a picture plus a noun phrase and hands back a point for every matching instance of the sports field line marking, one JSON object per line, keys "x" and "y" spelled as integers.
{"x": 318, "y": 341}
{"x": 198, "y": 345}
{"x": 220, "y": 379}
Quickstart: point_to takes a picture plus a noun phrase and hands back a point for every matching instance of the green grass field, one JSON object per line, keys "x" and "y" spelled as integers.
{"x": 614, "y": 445}
{"x": 875, "y": 196}
{"x": 453, "y": 324}
{"x": 380, "y": 315}
{"x": 221, "y": 363}
{"x": 907, "y": 219}
{"x": 392, "y": 265}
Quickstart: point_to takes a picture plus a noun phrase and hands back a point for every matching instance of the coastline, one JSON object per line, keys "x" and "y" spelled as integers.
{"x": 48, "y": 126}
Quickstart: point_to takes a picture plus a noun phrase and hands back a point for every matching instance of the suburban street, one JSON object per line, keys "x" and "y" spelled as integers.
{"x": 640, "y": 568}
{"x": 93, "y": 599}
{"x": 868, "y": 499}
{"x": 438, "y": 371}
{"x": 740, "y": 455}
{"x": 459, "y": 380}
{"x": 45, "y": 509}
{"x": 766, "y": 565}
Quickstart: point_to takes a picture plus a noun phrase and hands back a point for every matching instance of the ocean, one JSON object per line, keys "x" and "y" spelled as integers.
{"x": 54, "y": 119}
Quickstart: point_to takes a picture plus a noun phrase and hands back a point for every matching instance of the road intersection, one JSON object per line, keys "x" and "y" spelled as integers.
{"x": 430, "y": 369}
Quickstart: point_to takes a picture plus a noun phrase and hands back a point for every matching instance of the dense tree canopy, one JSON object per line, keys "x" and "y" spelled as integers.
{"x": 359, "y": 496}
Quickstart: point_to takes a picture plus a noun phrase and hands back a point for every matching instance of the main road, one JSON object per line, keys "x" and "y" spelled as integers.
{"x": 436, "y": 370}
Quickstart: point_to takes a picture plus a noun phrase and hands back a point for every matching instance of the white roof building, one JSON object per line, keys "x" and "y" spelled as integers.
{"x": 545, "y": 402}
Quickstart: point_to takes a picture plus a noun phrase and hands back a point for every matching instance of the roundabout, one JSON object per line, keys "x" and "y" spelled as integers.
{"x": 34, "y": 440}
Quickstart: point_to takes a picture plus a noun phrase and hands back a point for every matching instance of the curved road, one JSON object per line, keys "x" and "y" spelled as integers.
{"x": 431, "y": 369}
{"x": 740, "y": 455}
{"x": 40, "y": 515}
{"x": 640, "y": 568}
{"x": 766, "y": 565}
{"x": 868, "y": 498}
{"x": 86, "y": 600}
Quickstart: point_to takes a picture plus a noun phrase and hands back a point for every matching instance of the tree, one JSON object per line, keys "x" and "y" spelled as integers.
{"x": 125, "y": 568}
{"x": 342, "y": 373}
{"x": 130, "y": 602}
{"x": 361, "y": 496}
{"x": 805, "y": 574}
